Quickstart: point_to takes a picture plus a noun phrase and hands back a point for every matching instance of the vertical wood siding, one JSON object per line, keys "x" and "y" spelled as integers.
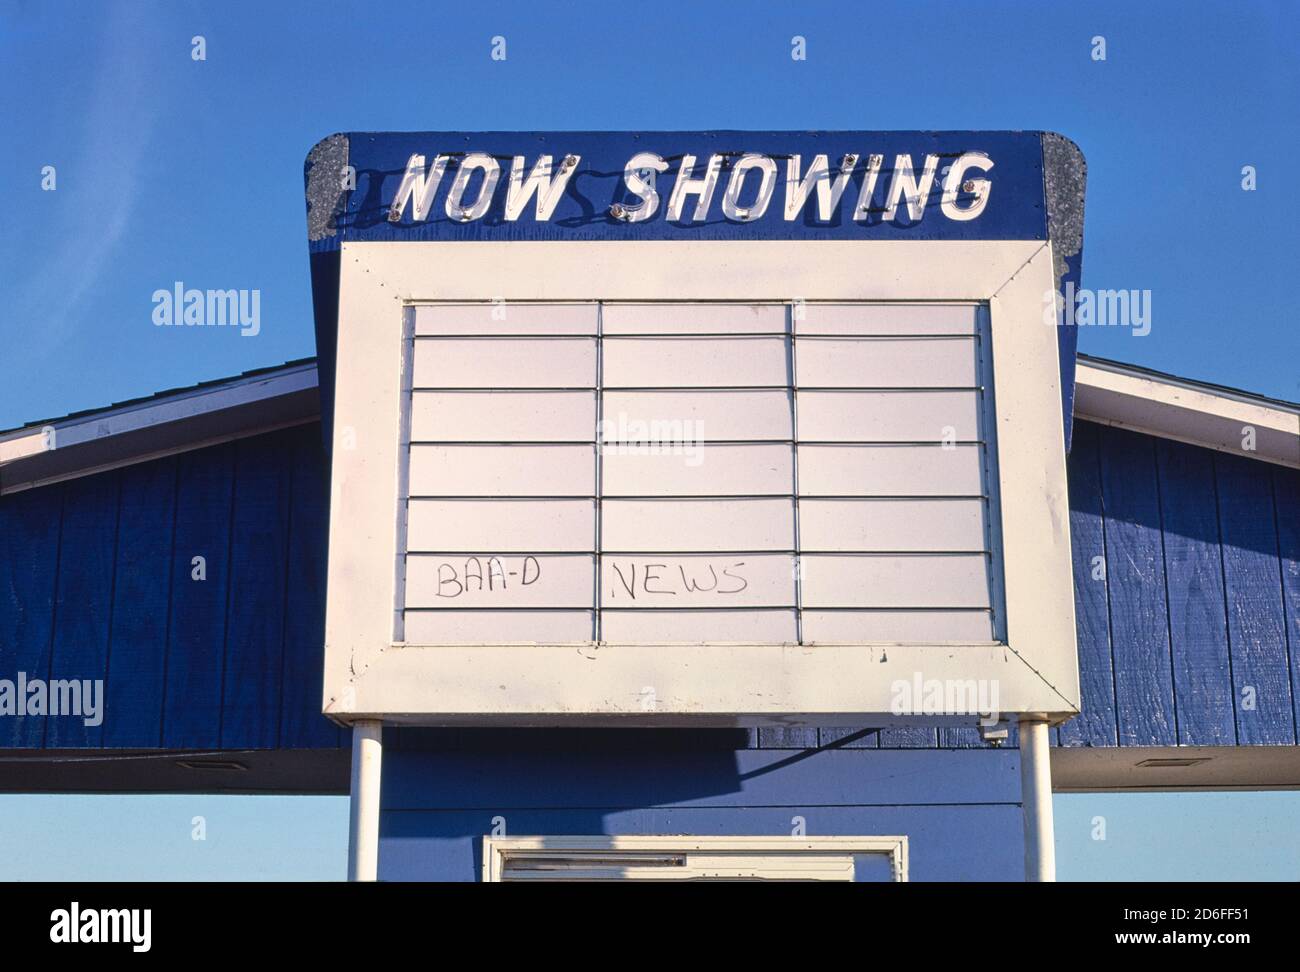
{"x": 30, "y": 524}
{"x": 1193, "y": 634}
{"x": 98, "y": 581}
{"x": 141, "y": 597}
{"x": 1096, "y": 724}
{"x": 1187, "y": 593}
{"x": 1198, "y": 630}
{"x": 1286, "y": 503}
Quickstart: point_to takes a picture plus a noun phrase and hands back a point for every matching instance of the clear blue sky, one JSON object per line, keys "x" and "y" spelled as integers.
{"x": 1148, "y": 837}
{"x": 171, "y": 169}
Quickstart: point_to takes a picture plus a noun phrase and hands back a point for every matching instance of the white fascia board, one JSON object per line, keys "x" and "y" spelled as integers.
{"x": 1187, "y": 412}
{"x": 190, "y": 419}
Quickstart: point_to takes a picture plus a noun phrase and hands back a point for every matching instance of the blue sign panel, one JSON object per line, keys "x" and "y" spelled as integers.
{"x": 506, "y": 186}
{"x": 685, "y": 186}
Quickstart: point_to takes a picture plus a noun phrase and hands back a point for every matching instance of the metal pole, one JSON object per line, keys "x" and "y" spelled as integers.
{"x": 1036, "y": 797}
{"x": 363, "y": 828}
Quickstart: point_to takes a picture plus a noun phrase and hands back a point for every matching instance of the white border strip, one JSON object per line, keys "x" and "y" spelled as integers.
{"x": 497, "y": 849}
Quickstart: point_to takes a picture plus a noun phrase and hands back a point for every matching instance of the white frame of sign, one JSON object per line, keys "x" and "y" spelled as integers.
{"x": 369, "y": 676}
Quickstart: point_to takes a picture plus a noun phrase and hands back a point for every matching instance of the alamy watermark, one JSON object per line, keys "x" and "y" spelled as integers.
{"x": 78, "y": 925}
{"x": 941, "y": 696}
{"x": 624, "y": 436}
{"x": 57, "y": 697}
{"x": 189, "y": 307}
{"x": 1101, "y": 308}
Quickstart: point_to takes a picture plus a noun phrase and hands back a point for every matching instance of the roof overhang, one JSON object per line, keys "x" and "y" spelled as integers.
{"x": 1156, "y": 769}
{"x": 1175, "y": 408}
{"x": 227, "y": 771}
{"x": 1108, "y": 392}
{"x": 176, "y": 422}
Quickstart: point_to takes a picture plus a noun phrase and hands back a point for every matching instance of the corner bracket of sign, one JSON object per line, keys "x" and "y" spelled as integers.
{"x": 368, "y": 267}
{"x": 1029, "y": 261}
{"x": 356, "y": 674}
{"x": 1072, "y": 707}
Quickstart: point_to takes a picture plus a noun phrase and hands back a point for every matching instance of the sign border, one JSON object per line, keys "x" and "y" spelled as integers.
{"x": 368, "y": 676}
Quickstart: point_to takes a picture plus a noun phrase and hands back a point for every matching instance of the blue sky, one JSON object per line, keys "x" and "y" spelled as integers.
{"x": 1148, "y": 837}
{"x": 170, "y": 169}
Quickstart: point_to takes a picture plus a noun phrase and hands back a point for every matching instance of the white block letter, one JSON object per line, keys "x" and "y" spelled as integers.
{"x": 418, "y": 186}
{"x": 906, "y": 185}
{"x": 828, "y": 192}
{"x": 952, "y": 185}
{"x": 491, "y": 173}
{"x": 547, "y": 188}
{"x": 639, "y": 174}
{"x": 687, "y": 186}
{"x": 730, "y": 202}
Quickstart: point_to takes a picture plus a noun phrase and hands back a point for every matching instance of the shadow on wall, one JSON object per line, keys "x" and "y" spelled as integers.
{"x": 535, "y": 781}
{"x": 443, "y": 790}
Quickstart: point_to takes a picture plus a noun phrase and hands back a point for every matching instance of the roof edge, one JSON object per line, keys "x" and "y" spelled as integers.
{"x": 168, "y": 423}
{"x": 1108, "y": 392}
{"x": 1198, "y": 413}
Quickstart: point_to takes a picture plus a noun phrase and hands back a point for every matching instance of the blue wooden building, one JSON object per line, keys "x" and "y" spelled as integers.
{"x": 1187, "y": 586}
{"x": 164, "y": 564}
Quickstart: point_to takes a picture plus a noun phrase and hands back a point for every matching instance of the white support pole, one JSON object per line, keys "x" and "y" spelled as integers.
{"x": 1036, "y": 798}
{"x": 363, "y": 833}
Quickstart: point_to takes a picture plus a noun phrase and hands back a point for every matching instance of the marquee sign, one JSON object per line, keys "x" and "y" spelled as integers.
{"x": 681, "y": 185}
{"x": 693, "y": 428}
{"x": 814, "y": 189}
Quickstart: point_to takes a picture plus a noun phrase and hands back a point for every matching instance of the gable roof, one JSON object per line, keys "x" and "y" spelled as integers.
{"x": 1107, "y": 392}
{"x": 1197, "y": 412}
{"x": 171, "y": 421}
